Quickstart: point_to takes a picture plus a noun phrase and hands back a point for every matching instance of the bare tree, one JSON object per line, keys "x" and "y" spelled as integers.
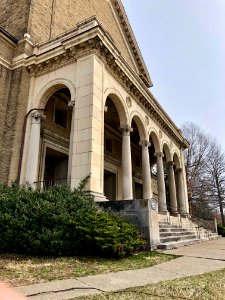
{"x": 215, "y": 172}
{"x": 205, "y": 167}
{"x": 196, "y": 157}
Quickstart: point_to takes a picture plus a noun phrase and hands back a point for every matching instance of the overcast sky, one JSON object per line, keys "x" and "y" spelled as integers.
{"x": 183, "y": 45}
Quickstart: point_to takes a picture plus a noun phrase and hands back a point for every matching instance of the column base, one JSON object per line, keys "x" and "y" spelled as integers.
{"x": 174, "y": 213}
{"x": 183, "y": 214}
{"x": 163, "y": 212}
{"x": 98, "y": 197}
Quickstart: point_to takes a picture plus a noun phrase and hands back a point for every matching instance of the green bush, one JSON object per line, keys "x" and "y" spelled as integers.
{"x": 107, "y": 235}
{"x": 61, "y": 221}
{"x": 221, "y": 230}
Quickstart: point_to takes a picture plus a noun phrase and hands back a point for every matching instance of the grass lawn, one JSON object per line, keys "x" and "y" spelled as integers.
{"x": 19, "y": 270}
{"x": 210, "y": 286}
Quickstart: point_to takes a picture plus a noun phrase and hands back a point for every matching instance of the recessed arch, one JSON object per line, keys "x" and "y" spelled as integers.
{"x": 51, "y": 87}
{"x": 155, "y": 139}
{"x": 136, "y": 117}
{"x": 176, "y": 160}
{"x": 119, "y": 103}
{"x": 167, "y": 152}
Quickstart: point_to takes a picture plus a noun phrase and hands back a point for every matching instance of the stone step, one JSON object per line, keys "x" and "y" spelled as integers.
{"x": 177, "y": 238}
{"x": 171, "y": 229}
{"x": 176, "y": 233}
{"x": 176, "y": 244}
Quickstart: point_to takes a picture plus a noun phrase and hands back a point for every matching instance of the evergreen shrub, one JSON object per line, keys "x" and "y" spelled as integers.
{"x": 61, "y": 221}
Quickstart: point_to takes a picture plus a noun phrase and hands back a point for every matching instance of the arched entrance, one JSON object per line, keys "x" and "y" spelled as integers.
{"x": 179, "y": 182}
{"x": 157, "y": 170}
{"x": 113, "y": 119}
{"x": 47, "y": 161}
{"x": 55, "y": 139}
{"x": 136, "y": 161}
{"x": 169, "y": 171}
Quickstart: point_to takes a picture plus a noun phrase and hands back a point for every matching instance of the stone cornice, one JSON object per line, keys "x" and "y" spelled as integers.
{"x": 94, "y": 40}
{"x": 4, "y": 62}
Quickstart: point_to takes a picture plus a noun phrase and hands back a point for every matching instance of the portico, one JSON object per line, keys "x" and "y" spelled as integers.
{"x": 103, "y": 130}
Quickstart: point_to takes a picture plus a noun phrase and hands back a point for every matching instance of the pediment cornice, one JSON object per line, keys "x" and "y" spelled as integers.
{"x": 127, "y": 29}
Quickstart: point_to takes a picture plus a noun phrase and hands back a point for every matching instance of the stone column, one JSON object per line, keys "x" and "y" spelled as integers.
{"x": 71, "y": 104}
{"x": 180, "y": 188}
{"x": 172, "y": 188}
{"x": 127, "y": 188}
{"x": 31, "y": 173}
{"x": 161, "y": 183}
{"x": 146, "y": 172}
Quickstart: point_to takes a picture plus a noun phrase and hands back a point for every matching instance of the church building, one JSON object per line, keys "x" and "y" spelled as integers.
{"x": 75, "y": 99}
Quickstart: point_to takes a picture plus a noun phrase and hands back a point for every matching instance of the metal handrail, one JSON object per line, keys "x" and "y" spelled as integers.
{"x": 200, "y": 222}
{"x": 45, "y": 184}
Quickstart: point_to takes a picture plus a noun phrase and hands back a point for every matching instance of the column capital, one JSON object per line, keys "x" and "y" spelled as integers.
{"x": 126, "y": 130}
{"x": 71, "y": 104}
{"x": 170, "y": 163}
{"x": 159, "y": 154}
{"x": 36, "y": 117}
{"x": 145, "y": 144}
{"x": 105, "y": 109}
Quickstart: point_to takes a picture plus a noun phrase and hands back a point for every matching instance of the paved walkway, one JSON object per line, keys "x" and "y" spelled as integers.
{"x": 197, "y": 259}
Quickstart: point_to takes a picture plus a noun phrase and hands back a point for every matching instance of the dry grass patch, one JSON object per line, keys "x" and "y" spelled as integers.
{"x": 18, "y": 270}
{"x": 210, "y": 286}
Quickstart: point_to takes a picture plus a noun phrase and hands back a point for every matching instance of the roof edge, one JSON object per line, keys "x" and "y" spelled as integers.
{"x": 144, "y": 73}
{"x": 8, "y": 35}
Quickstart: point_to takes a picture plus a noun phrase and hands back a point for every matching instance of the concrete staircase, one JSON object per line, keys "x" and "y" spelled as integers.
{"x": 173, "y": 236}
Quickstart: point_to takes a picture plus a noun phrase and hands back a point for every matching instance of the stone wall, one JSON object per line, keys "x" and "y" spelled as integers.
{"x": 141, "y": 213}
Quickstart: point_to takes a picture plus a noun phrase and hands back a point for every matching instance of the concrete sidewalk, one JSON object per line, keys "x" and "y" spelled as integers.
{"x": 198, "y": 259}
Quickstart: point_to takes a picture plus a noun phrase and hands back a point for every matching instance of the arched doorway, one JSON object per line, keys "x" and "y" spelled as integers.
{"x": 112, "y": 150}
{"x": 179, "y": 182}
{"x": 153, "y": 150}
{"x": 136, "y": 161}
{"x": 55, "y": 140}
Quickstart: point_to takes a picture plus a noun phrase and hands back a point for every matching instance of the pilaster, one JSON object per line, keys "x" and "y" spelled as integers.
{"x": 88, "y": 133}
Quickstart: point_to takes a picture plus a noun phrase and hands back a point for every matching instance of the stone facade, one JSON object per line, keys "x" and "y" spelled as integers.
{"x": 75, "y": 100}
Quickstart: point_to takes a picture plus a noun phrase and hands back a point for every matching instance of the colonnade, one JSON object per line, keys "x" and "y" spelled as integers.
{"x": 176, "y": 191}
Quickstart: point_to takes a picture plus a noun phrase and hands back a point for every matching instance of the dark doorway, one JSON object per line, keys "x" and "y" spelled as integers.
{"x": 56, "y": 168}
{"x": 110, "y": 185}
{"x": 138, "y": 191}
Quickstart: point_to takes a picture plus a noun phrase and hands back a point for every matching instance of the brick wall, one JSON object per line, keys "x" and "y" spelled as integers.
{"x": 14, "y": 16}
{"x": 5, "y": 79}
{"x": 13, "y": 101}
{"x": 47, "y": 19}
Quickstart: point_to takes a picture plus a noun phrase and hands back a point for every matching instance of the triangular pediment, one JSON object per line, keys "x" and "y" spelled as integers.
{"x": 111, "y": 14}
